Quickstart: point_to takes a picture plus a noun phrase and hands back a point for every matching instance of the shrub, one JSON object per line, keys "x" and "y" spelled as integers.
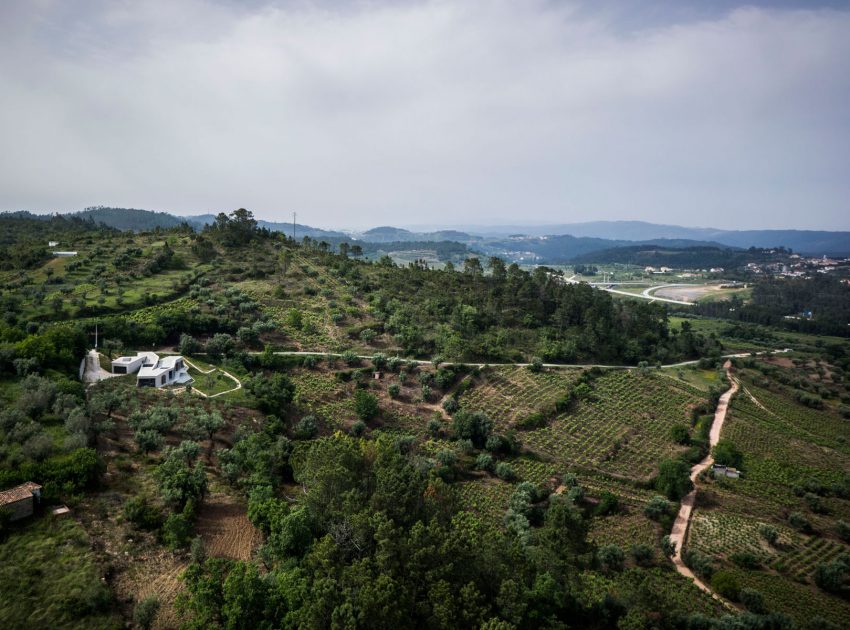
{"x": 746, "y": 560}
{"x": 365, "y": 404}
{"x": 674, "y": 479}
{"x": 394, "y": 390}
{"x": 698, "y": 562}
{"x": 505, "y": 471}
{"x": 144, "y": 613}
{"x": 726, "y": 584}
{"x": 177, "y": 530}
{"x": 536, "y": 420}
{"x": 273, "y": 392}
{"x": 814, "y": 503}
{"x": 609, "y": 503}
{"x": 536, "y": 365}
{"x": 141, "y": 513}
{"x": 611, "y": 558}
{"x": 830, "y": 576}
{"x": 769, "y": 533}
{"x": 668, "y": 547}
{"x": 434, "y": 427}
{"x": 752, "y": 600}
{"x": 843, "y": 530}
{"x": 657, "y": 507}
{"x": 307, "y": 428}
{"x": 447, "y": 457}
{"x": 727, "y": 454}
{"x": 642, "y": 554}
{"x": 350, "y": 358}
{"x": 680, "y": 435}
{"x": 475, "y": 426}
{"x": 486, "y": 462}
{"x": 451, "y": 405}
{"x": 799, "y": 522}
{"x": 358, "y": 428}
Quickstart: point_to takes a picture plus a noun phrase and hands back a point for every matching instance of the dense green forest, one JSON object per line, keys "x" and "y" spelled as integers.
{"x": 692, "y": 257}
{"x": 818, "y": 305}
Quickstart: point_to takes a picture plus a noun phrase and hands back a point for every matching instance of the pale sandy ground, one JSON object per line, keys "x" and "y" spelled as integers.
{"x": 683, "y": 519}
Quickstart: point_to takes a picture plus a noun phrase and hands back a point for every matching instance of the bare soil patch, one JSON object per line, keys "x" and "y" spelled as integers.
{"x": 223, "y": 525}
{"x": 784, "y": 362}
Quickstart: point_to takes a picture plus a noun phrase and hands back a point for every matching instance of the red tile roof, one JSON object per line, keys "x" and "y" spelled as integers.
{"x": 18, "y": 493}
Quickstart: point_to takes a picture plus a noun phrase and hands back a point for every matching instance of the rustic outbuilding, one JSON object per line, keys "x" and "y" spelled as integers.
{"x": 21, "y": 500}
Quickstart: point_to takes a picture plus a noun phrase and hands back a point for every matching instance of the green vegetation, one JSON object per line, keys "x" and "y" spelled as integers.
{"x": 49, "y": 578}
{"x": 351, "y": 485}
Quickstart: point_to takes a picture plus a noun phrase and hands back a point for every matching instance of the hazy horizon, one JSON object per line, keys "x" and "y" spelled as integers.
{"x": 363, "y": 114}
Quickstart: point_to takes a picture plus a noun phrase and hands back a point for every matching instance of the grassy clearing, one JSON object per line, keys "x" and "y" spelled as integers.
{"x": 213, "y": 383}
{"x": 49, "y": 578}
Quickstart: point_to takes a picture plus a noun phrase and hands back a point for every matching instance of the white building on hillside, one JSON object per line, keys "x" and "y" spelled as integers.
{"x": 153, "y": 371}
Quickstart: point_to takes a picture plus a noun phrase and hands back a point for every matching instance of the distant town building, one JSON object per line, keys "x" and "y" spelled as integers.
{"x": 52, "y": 243}
{"x": 21, "y": 500}
{"x": 64, "y": 254}
{"x": 152, "y": 370}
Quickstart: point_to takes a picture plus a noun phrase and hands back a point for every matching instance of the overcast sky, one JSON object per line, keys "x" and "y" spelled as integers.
{"x": 357, "y": 114}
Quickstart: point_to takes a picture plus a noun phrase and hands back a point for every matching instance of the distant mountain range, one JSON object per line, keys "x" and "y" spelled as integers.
{"x": 811, "y": 242}
{"x": 555, "y": 243}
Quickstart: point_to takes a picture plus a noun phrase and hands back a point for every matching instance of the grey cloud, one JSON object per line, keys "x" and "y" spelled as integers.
{"x": 439, "y": 112}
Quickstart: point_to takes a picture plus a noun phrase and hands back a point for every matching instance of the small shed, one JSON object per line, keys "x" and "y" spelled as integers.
{"x": 21, "y": 500}
{"x": 725, "y": 471}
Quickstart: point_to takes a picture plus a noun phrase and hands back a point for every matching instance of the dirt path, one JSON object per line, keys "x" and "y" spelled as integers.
{"x": 683, "y": 519}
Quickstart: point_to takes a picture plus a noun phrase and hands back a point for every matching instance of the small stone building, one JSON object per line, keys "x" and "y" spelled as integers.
{"x": 21, "y": 500}
{"x": 726, "y": 471}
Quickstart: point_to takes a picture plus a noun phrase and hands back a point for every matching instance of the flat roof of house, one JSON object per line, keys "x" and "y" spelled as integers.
{"x": 169, "y": 362}
{"x": 18, "y": 493}
{"x": 147, "y": 357}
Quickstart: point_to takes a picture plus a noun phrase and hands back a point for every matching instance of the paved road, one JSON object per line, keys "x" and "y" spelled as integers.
{"x": 647, "y": 296}
{"x": 683, "y": 519}
{"x": 604, "y": 286}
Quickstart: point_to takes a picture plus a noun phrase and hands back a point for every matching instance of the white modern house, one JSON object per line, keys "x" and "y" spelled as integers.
{"x": 152, "y": 370}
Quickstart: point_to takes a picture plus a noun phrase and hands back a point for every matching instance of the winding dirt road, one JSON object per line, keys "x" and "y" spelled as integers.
{"x": 683, "y": 518}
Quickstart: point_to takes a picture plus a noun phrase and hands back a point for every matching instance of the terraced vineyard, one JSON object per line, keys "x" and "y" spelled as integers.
{"x": 801, "y": 561}
{"x": 787, "y": 449}
{"x": 509, "y": 394}
{"x": 799, "y": 601}
{"x": 625, "y": 430}
{"x": 724, "y": 534}
{"x": 321, "y": 394}
{"x": 486, "y": 497}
